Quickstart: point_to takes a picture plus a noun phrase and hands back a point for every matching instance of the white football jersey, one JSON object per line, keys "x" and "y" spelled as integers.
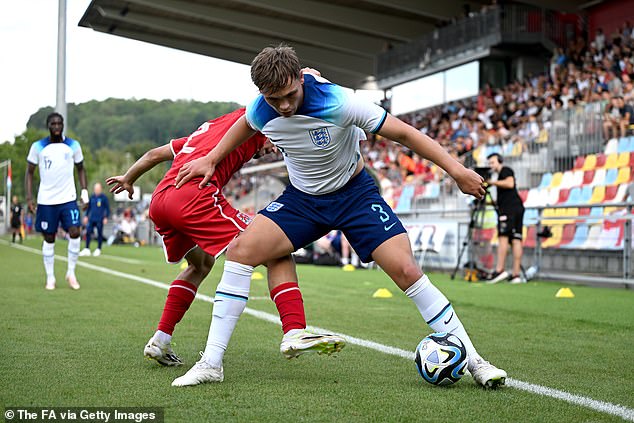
{"x": 56, "y": 161}
{"x": 320, "y": 143}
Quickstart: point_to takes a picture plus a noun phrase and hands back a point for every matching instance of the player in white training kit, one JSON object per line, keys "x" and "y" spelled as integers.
{"x": 56, "y": 156}
{"x": 314, "y": 122}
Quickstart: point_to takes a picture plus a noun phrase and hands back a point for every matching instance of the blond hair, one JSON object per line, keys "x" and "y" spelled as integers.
{"x": 274, "y": 68}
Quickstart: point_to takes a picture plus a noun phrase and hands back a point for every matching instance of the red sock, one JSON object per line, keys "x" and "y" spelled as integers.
{"x": 289, "y": 303}
{"x": 179, "y": 297}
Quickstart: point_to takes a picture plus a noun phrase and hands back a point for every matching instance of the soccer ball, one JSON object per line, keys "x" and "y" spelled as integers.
{"x": 441, "y": 358}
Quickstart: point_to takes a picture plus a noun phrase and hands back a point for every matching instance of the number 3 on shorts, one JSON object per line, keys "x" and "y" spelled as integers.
{"x": 382, "y": 214}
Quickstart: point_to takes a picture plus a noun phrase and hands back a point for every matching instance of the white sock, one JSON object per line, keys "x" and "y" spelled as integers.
{"x": 354, "y": 259}
{"x": 345, "y": 261}
{"x": 73, "y": 253}
{"x": 48, "y": 252}
{"x": 438, "y": 312}
{"x": 162, "y": 337}
{"x": 231, "y": 298}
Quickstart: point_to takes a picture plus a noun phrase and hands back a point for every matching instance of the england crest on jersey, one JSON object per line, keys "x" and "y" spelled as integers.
{"x": 320, "y": 137}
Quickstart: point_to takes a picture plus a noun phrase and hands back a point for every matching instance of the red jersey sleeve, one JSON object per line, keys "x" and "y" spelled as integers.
{"x": 177, "y": 145}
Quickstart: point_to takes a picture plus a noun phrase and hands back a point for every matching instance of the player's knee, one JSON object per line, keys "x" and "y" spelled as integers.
{"x": 407, "y": 273}
{"x": 240, "y": 251}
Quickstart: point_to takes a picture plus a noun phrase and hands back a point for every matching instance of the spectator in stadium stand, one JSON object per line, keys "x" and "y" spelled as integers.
{"x": 510, "y": 220}
{"x": 617, "y": 118}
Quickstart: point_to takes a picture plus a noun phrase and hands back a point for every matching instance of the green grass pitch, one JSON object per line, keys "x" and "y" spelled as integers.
{"x": 84, "y": 348}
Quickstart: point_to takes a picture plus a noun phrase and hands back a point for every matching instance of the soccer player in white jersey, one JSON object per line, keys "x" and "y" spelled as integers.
{"x": 56, "y": 156}
{"x": 313, "y": 122}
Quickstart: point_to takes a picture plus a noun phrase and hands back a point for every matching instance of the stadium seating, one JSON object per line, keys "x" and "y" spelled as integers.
{"x": 612, "y": 146}
{"x": 598, "y": 194}
{"x": 546, "y": 179}
{"x": 623, "y": 159}
{"x": 552, "y": 196}
{"x": 575, "y": 196}
{"x": 590, "y": 162}
{"x": 623, "y": 145}
{"x": 557, "y": 177}
{"x": 599, "y": 177}
{"x": 568, "y": 234}
{"x": 610, "y": 176}
{"x": 611, "y": 236}
{"x": 567, "y": 180}
{"x": 600, "y": 161}
{"x": 579, "y": 162}
{"x": 597, "y": 213}
{"x": 577, "y": 178}
{"x": 581, "y": 234}
{"x": 611, "y": 161}
{"x": 564, "y": 193}
{"x": 594, "y": 232}
{"x": 610, "y": 193}
{"x": 555, "y": 239}
{"x": 586, "y": 194}
{"x": 624, "y": 175}
{"x": 405, "y": 201}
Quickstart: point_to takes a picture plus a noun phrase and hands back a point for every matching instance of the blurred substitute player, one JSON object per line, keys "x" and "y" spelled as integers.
{"x": 96, "y": 217}
{"x": 56, "y": 155}
{"x": 198, "y": 224}
{"x": 312, "y": 122}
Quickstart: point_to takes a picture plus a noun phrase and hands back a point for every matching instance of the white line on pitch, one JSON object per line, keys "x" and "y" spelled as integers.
{"x": 601, "y": 406}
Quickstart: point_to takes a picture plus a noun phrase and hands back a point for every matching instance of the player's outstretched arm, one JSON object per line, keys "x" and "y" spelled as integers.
{"x": 150, "y": 159}
{"x": 468, "y": 181}
{"x": 239, "y": 132}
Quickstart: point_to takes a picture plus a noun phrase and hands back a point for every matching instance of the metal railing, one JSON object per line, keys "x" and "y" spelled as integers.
{"x": 506, "y": 23}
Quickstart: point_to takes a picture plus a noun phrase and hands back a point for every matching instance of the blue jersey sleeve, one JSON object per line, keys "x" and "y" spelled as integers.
{"x": 259, "y": 113}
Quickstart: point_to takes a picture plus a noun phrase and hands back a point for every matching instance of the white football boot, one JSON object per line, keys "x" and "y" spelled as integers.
{"x": 96, "y": 253}
{"x": 201, "y": 372}
{"x": 485, "y": 373}
{"x": 72, "y": 281}
{"x": 84, "y": 253}
{"x": 50, "y": 284}
{"x": 295, "y": 344}
{"x": 162, "y": 353}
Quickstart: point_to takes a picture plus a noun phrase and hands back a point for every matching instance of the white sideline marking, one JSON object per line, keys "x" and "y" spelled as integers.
{"x": 121, "y": 259}
{"x": 601, "y": 406}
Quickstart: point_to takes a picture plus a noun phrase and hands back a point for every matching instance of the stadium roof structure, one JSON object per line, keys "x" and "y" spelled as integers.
{"x": 341, "y": 38}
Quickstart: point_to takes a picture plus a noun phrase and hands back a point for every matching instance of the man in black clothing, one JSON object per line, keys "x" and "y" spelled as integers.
{"x": 510, "y": 220}
{"x": 16, "y": 219}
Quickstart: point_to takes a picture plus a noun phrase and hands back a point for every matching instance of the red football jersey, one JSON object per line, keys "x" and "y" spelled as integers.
{"x": 205, "y": 139}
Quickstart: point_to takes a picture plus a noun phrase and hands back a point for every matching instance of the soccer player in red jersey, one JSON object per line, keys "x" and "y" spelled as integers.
{"x": 198, "y": 225}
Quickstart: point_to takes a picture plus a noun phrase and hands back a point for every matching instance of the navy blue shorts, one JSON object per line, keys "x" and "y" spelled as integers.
{"x": 357, "y": 209}
{"x": 48, "y": 217}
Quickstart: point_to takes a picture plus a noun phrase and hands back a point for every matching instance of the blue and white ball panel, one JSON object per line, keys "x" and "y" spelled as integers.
{"x": 357, "y": 209}
{"x": 49, "y": 217}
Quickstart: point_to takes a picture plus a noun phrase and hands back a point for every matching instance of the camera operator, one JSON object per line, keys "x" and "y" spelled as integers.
{"x": 510, "y": 220}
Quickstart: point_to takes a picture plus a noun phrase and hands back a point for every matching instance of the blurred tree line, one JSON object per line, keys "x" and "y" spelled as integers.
{"x": 113, "y": 134}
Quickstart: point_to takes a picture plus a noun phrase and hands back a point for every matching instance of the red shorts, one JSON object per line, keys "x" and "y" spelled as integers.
{"x": 188, "y": 217}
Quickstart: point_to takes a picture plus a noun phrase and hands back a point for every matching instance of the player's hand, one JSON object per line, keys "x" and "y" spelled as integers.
{"x": 311, "y": 71}
{"x": 85, "y": 220}
{"x": 105, "y": 220}
{"x": 471, "y": 183}
{"x": 201, "y": 166}
{"x": 30, "y": 206}
{"x": 120, "y": 185}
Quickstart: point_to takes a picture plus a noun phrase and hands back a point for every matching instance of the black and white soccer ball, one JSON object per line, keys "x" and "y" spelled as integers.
{"x": 441, "y": 358}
